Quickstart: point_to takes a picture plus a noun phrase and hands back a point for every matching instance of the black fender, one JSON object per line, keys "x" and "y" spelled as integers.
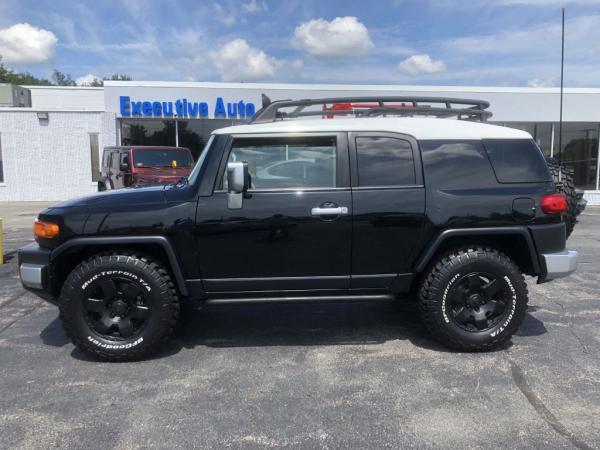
{"x": 175, "y": 266}
{"x": 431, "y": 249}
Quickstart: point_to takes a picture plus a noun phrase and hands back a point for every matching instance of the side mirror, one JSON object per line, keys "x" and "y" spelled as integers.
{"x": 238, "y": 182}
{"x": 124, "y": 167}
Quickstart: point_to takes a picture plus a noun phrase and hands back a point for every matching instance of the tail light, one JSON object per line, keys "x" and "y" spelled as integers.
{"x": 45, "y": 230}
{"x": 554, "y": 203}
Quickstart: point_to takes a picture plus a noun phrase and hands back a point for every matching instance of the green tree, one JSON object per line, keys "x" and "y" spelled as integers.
{"x": 62, "y": 79}
{"x": 10, "y": 76}
{"x": 119, "y": 77}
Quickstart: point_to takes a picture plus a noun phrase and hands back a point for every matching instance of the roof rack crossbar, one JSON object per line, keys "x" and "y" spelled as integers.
{"x": 472, "y": 110}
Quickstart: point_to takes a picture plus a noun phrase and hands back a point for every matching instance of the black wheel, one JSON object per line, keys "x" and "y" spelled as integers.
{"x": 119, "y": 306}
{"x": 473, "y": 299}
{"x": 564, "y": 180}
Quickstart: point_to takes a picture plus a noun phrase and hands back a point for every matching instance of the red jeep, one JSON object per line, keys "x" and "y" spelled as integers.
{"x": 139, "y": 165}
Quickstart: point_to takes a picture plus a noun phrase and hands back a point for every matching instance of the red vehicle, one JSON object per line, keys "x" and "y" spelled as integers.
{"x": 142, "y": 165}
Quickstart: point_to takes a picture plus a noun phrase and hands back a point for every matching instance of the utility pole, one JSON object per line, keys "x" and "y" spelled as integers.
{"x": 562, "y": 76}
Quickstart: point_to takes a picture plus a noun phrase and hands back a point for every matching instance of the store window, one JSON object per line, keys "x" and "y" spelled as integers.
{"x": 580, "y": 150}
{"x": 541, "y": 133}
{"x": 148, "y": 132}
{"x": 194, "y": 134}
{"x": 94, "y": 157}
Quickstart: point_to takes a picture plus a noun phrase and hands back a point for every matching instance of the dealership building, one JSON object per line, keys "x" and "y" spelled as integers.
{"x": 51, "y": 138}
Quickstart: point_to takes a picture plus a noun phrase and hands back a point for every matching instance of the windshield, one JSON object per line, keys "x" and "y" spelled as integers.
{"x": 192, "y": 177}
{"x": 162, "y": 158}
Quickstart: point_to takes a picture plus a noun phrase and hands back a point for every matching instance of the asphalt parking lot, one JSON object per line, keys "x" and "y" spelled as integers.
{"x": 361, "y": 375}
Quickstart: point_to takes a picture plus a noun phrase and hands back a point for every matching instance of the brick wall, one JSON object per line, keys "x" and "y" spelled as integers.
{"x": 49, "y": 160}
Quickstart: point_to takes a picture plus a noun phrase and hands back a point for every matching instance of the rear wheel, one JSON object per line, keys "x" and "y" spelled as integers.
{"x": 473, "y": 299}
{"x": 119, "y": 306}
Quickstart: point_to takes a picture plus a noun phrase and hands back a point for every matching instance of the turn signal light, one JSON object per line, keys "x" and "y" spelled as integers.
{"x": 45, "y": 230}
{"x": 554, "y": 203}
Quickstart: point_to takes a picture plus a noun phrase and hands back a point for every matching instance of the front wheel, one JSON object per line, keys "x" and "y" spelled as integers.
{"x": 119, "y": 306}
{"x": 473, "y": 299}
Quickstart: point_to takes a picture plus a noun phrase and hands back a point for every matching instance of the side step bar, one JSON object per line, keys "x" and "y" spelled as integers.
{"x": 302, "y": 299}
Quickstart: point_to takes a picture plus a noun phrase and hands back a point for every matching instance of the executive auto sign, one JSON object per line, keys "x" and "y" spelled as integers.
{"x": 182, "y": 107}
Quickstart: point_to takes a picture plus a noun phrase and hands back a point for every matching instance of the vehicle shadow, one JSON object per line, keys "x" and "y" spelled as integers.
{"x": 312, "y": 324}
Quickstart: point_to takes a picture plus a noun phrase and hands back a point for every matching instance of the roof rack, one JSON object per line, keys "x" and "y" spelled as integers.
{"x": 442, "y": 107}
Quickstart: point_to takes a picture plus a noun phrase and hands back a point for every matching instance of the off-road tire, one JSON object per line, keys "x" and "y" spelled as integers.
{"x": 564, "y": 180}
{"x": 159, "y": 290}
{"x": 438, "y": 281}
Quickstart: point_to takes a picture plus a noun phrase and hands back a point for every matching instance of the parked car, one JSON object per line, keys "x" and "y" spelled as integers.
{"x": 141, "y": 165}
{"x": 453, "y": 213}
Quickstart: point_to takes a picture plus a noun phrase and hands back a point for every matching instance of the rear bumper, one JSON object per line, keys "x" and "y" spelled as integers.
{"x": 559, "y": 264}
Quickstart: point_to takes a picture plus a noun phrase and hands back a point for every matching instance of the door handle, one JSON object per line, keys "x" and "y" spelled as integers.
{"x": 338, "y": 211}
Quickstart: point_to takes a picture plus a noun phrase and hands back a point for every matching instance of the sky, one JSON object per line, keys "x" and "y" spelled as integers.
{"x": 427, "y": 42}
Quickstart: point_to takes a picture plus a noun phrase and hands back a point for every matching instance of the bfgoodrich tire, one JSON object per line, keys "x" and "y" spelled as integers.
{"x": 119, "y": 306}
{"x": 473, "y": 299}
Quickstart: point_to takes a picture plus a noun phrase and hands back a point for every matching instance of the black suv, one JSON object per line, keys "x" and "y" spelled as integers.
{"x": 378, "y": 205}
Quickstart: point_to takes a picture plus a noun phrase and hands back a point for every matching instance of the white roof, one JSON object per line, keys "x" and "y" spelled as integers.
{"x": 418, "y": 127}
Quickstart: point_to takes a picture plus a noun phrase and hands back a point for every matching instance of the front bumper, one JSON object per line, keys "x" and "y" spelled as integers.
{"x": 34, "y": 270}
{"x": 559, "y": 264}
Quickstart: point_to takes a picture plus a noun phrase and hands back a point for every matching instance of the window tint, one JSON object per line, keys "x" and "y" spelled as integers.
{"x": 384, "y": 161}
{"x": 516, "y": 160}
{"x": 161, "y": 158}
{"x": 455, "y": 164}
{"x": 283, "y": 164}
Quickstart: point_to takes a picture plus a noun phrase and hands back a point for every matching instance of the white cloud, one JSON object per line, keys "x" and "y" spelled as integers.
{"x": 254, "y": 6}
{"x": 224, "y": 16}
{"x": 537, "y": 82}
{"x": 23, "y": 43}
{"x": 547, "y": 2}
{"x": 542, "y": 40}
{"x": 238, "y": 61}
{"x": 421, "y": 64}
{"x": 86, "y": 80}
{"x": 343, "y": 36}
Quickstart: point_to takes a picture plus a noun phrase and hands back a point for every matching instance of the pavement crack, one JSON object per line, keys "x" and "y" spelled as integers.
{"x": 26, "y": 313}
{"x": 519, "y": 379}
{"x": 584, "y": 348}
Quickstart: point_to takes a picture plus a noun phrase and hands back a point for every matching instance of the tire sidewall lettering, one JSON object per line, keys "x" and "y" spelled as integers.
{"x": 116, "y": 273}
{"x": 445, "y": 295}
{"x": 104, "y": 345}
{"x": 513, "y": 307}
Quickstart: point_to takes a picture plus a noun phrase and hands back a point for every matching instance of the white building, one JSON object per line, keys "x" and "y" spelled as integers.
{"x": 51, "y": 149}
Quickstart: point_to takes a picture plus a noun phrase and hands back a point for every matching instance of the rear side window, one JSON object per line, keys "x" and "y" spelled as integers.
{"x": 516, "y": 160}
{"x": 384, "y": 161}
{"x": 456, "y": 164}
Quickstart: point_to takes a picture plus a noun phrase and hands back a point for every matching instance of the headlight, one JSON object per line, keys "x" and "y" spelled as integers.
{"x": 45, "y": 230}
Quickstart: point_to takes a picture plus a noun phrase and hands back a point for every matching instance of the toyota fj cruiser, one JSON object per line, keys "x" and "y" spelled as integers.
{"x": 377, "y": 203}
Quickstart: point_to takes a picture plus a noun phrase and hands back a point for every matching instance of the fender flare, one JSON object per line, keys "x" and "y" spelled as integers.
{"x": 435, "y": 244}
{"x": 124, "y": 240}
